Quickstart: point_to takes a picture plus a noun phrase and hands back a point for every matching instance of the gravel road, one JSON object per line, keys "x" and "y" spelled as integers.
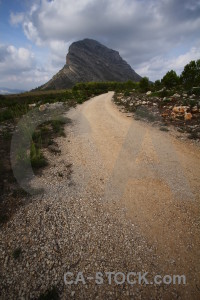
{"x": 121, "y": 197}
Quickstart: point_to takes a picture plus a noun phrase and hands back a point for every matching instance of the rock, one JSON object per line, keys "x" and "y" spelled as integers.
{"x": 165, "y": 114}
{"x": 173, "y": 115}
{"x": 55, "y": 105}
{"x": 176, "y": 95}
{"x": 188, "y": 116}
{"x": 144, "y": 102}
{"x": 42, "y": 107}
{"x": 51, "y": 106}
{"x": 163, "y": 89}
{"x": 155, "y": 104}
{"x": 148, "y": 93}
{"x": 32, "y": 105}
{"x": 180, "y": 109}
{"x": 195, "y": 109}
{"x": 185, "y": 95}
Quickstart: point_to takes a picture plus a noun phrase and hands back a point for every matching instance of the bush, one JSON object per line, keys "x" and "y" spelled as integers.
{"x": 144, "y": 84}
{"x": 6, "y": 115}
{"x": 37, "y": 158}
{"x": 170, "y": 80}
{"x": 157, "y": 85}
{"x": 190, "y": 76}
{"x": 143, "y": 112}
{"x": 196, "y": 91}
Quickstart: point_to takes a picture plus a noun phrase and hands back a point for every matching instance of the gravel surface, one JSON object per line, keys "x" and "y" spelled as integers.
{"x": 121, "y": 196}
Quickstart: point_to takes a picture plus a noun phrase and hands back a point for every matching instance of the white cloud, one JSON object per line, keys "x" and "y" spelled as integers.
{"x": 16, "y": 19}
{"x": 158, "y": 66}
{"x": 18, "y": 68}
{"x": 14, "y": 59}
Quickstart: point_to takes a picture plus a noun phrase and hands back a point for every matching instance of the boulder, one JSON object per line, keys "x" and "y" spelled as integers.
{"x": 55, "y": 105}
{"x": 148, "y": 93}
{"x": 173, "y": 115}
{"x": 187, "y": 116}
{"x": 176, "y": 95}
{"x": 163, "y": 89}
{"x": 42, "y": 107}
{"x": 180, "y": 109}
{"x": 195, "y": 109}
{"x": 165, "y": 114}
{"x": 32, "y": 105}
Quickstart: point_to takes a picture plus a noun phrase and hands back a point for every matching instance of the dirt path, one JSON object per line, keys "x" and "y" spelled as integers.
{"x": 128, "y": 203}
{"x": 150, "y": 174}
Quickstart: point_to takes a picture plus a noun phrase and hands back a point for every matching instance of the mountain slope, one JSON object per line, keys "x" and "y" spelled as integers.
{"x": 88, "y": 60}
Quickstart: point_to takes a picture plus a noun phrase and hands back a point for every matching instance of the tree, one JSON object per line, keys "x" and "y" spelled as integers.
{"x": 171, "y": 79}
{"x": 190, "y": 76}
{"x": 157, "y": 84}
{"x": 144, "y": 84}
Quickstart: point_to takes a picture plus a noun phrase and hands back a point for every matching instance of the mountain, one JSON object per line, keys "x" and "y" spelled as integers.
{"x": 88, "y": 60}
{"x": 6, "y": 91}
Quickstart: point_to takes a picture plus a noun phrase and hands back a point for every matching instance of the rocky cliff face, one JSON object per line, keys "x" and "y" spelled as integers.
{"x": 88, "y": 60}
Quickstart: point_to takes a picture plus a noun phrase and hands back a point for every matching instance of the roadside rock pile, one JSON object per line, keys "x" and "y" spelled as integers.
{"x": 47, "y": 106}
{"x": 180, "y": 110}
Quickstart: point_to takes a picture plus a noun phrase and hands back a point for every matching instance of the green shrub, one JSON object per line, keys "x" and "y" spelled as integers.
{"x": 171, "y": 79}
{"x": 190, "y": 76}
{"x": 6, "y": 115}
{"x": 36, "y": 156}
{"x": 196, "y": 90}
{"x": 144, "y": 84}
{"x": 126, "y": 93}
{"x": 144, "y": 113}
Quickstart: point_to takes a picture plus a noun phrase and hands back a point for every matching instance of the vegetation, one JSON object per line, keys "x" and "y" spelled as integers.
{"x": 144, "y": 84}
{"x": 189, "y": 79}
{"x": 143, "y": 112}
{"x": 170, "y": 80}
{"x": 190, "y": 76}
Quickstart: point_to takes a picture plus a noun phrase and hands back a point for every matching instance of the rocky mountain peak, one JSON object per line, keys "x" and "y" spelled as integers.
{"x": 88, "y": 60}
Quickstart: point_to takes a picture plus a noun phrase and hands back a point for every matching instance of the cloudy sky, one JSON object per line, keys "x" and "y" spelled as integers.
{"x": 153, "y": 36}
